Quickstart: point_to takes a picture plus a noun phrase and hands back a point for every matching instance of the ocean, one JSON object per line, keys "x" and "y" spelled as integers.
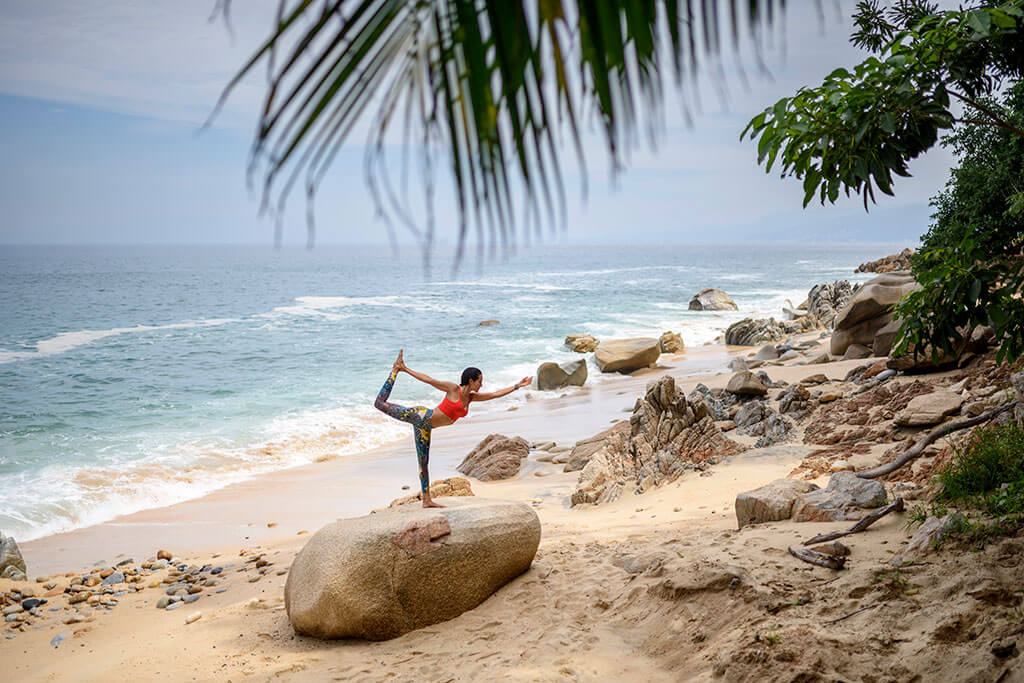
{"x": 138, "y": 377}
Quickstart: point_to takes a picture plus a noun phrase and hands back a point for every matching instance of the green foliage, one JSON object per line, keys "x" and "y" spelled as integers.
{"x": 988, "y": 472}
{"x": 859, "y": 128}
{"x": 962, "y": 286}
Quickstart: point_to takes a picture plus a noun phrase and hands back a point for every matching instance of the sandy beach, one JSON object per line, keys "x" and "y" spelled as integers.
{"x": 652, "y": 587}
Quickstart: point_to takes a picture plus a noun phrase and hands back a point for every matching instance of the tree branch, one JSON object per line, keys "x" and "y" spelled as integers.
{"x": 996, "y": 119}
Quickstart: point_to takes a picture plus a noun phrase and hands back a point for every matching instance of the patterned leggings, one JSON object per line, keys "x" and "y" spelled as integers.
{"x": 418, "y": 417}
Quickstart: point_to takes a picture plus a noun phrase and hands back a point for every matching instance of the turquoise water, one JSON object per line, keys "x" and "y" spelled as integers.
{"x": 137, "y": 377}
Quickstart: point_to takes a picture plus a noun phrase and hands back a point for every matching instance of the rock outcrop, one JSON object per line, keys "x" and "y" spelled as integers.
{"x": 552, "y": 376}
{"x": 887, "y": 264}
{"x": 796, "y": 402}
{"x": 869, "y": 310}
{"x": 845, "y": 498}
{"x": 442, "y": 488}
{"x": 668, "y": 435}
{"x": 12, "y": 564}
{"x": 751, "y": 332}
{"x": 719, "y": 401}
{"x": 770, "y": 503}
{"x": 712, "y": 300}
{"x": 379, "y": 576}
{"x": 826, "y": 299}
{"x": 929, "y": 409}
{"x": 581, "y": 343}
{"x": 756, "y": 418}
{"x": 671, "y": 342}
{"x": 627, "y": 355}
{"x": 496, "y": 457}
{"x": 580, "y": 454}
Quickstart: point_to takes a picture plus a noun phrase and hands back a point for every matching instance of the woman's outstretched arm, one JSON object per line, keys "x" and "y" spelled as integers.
{"x": 501, "y": 392}
{"x": 427, "y": 379}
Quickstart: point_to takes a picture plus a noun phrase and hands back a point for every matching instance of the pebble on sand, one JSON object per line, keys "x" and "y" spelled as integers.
{"x": 195, "y": 616}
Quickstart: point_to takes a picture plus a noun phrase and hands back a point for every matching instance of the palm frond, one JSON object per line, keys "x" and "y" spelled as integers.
{"x": 495, "y": 87}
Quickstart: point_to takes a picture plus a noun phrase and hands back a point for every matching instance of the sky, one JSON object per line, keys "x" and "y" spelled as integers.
{"x": 101, "y": 142}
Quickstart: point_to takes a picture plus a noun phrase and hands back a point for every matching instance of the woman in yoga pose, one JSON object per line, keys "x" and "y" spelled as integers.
{"x": 455, "y": 404}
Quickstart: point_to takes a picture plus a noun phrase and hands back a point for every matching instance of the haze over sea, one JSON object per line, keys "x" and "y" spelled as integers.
{"x": 136, "y": 377}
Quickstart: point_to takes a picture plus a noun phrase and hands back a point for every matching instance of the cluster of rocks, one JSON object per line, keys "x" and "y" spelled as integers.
{"x": 668, "y": 435}
{"x": 888, "y": 264}
{"x": 826, "y": 299}
{"x": 844, "y": 498}
{"x": 819, "y": 311}
{"x": 496, "y": 457}
{"x": 441, "y": 488}
{"x": 379, "y": 576}
{"x": 617, "y": 355}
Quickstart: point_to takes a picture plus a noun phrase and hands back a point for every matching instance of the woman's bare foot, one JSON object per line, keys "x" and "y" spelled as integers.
{"x": 428, "y": 503}
{"x": 399, "y": 363}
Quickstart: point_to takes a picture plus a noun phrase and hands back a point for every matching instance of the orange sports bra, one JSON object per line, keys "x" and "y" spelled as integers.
{"x": 452, "y": 409}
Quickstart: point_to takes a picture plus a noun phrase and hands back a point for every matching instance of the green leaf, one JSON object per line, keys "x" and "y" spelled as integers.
{"x": 980, "y": 21}
{"x": 887, "y": 122}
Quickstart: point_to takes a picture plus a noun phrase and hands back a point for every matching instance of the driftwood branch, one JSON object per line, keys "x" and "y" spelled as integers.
{"x": 930, "y": 438}
{"x": 819, "y": 559}
{"x": 847, "y": 616}
{"x": 861, "y": 525}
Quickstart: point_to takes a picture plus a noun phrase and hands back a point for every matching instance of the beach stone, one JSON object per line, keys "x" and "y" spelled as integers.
{"x": 738, "y": 365}
{"x": 585, "y": 448}
{"x": 841, "y": 466}
{"x": 174, "y": 606}
{"x": 164, "y": 555}
{"x": 189, "y": 599}
{"x": 439, "y": 563}
{"x": 770, "y": 503}
{"x": 581, "y": 343}
{"x": 712, "y": 300}
{"x": 12, "y": 564}
{"x": 668, "y": 435}
{"x": 856, "y": 352}
{"x": 670, "y": 342}
{"x": 834, "y": 548}
{"x": 111, "y": 579}
{"x": 887, "y": 264}
{"x": 496, "y": 457}
{"x": 626, "y": 355}
{"x": 922, "y": 363}
{"x": 843, "y": 499}
{"x": 767, "y": 352}
{"x": 746, "y": 384}
{"x": 929, "y": 409}
{"x": 552, "y": 376}
{"x": 487, "y": 323}
{"x": 931, "y": 533}
{"x": 789, "y": 355}
{"x": 869, "y": 310}
{"x": 884, "y": 339}
{"x": 196, "y": 616}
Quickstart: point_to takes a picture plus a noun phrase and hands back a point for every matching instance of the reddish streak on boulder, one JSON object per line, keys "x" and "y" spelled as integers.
{"x": 420, "y": 536}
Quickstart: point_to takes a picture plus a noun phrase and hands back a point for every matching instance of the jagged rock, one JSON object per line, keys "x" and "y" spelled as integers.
{"x": 827, "y": 298}
{"x": 796, "y": 401}
{"x": 12, "y": 564}
{"x": 768, "y": 382}
{"x": 712, "y": 300}
{"x": 626, "y": 355}
{"x": 869, "y": 310}
{"x": 719, "y": 401}
{"x": 932, "y": 533}
{"x": 442, "y": 488}
{"x": 496, "y": 457}
{"x": 774, "y": 429}
{"x": 770, "y": 503}
{"x": 581, "y": 343}
{"x": 746, "y": 384}
{"x": 887, "y": 264}
{"x": 583, "y": 450}
{"x": 557, "y": 376}
{"x": 750, "y": 332}
{"x": 670, "y": 342}
{"x": 668, "y": 435}
{"x": 929, "y": 409}
{"x": 379, "y": 576}
{"x": 845, "y": 497}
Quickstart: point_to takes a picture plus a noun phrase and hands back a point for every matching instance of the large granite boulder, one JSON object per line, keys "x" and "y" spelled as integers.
{"x": 559, "y": 375}
{"x": 712, "y": 300}
{"x": 929, "y": 409}
{"x": 626, "y": 355}
{"x": 770, "y": 503}
{"x": 869, "y": 310}
{"x": 379, "y": 576}
{"x": 671, "y": 342}
{"x": 751, "y": 332}
{"x": 12, "y": 565}
{"x": 581, "y": 343}
{"x": 746, "y": 384}
{"x": 581, "y": 453}
{"x": 496, "y": 457}
{"x": 668, "y": 435}
{"x": 441, "y": 488}
{"x": 845, "y": 498}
